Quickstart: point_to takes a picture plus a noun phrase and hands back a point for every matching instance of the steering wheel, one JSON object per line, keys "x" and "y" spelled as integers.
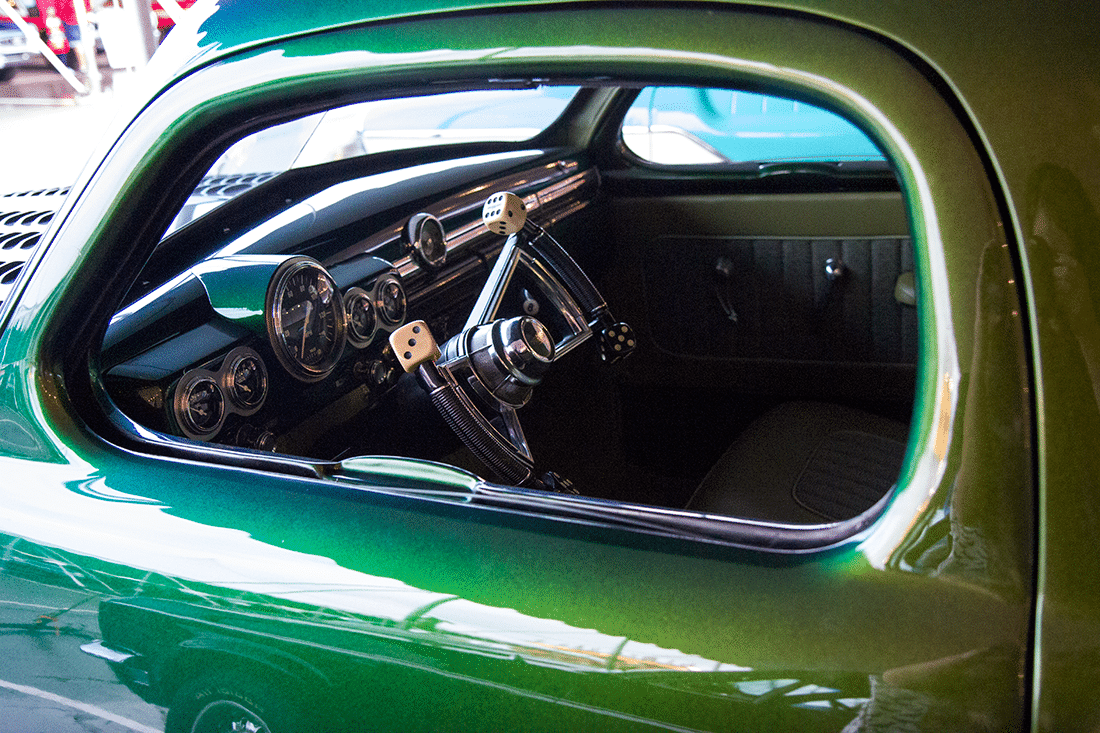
{"x": 483, "y": 375}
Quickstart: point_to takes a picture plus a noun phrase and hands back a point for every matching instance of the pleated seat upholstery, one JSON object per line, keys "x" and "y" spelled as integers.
{"x": 805, "y": 463}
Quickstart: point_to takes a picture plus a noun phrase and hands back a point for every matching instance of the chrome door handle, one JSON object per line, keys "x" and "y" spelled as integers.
{"x": 723, "y": 286}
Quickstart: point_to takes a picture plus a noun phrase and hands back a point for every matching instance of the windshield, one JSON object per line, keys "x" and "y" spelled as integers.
{"x": 495, "y": 115}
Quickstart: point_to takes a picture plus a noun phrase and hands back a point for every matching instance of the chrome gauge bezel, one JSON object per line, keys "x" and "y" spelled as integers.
{"x": 419, "y": 233}
{"x": 244, "y": 400}
{"x": 225, "y": 384}
{"x": 327, "y": 295}
{"x": 387, "y": 319}
{"x": 356, "y": 298}
{"x": 183, "y": 407}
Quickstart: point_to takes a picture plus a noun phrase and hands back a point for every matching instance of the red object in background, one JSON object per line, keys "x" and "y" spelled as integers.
{"x": 65, "y": 9}
{"x": 164, "y": 21}
{"x": 60, "y": 18}
{"x": 54, "y": 34}
{"x": 34, "y": 17}
{"x": 50, "y": 25}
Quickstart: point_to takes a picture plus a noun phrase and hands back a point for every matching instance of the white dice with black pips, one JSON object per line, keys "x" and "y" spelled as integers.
{"x": 413, "y": 344}
{"x": 504, "y": 213}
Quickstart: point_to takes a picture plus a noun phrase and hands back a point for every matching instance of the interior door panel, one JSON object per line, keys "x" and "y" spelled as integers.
{"x": 802, "y": 299}
{"x": 800, "y": 293}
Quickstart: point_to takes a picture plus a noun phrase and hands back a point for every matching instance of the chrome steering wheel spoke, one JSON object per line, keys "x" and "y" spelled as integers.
{"x": 481, "y": 377}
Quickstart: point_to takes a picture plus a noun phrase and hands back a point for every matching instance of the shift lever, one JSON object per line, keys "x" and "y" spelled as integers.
{"x": 505, "y": 213}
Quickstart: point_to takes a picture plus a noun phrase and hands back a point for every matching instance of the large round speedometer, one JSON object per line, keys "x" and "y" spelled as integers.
{"x": 305, "y": 319}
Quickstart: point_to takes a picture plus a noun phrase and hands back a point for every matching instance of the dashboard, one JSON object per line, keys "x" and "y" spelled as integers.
{"x": 265, "y": 323}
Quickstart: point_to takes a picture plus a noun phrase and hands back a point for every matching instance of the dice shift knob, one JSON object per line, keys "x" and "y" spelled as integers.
{"x": 413, "y": 344}
{"x": 504, "y": 213}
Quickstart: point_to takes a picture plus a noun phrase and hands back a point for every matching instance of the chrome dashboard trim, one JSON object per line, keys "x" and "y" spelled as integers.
{"x": 462, "y": 235}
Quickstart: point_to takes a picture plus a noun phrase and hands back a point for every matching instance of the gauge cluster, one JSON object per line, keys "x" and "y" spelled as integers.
{"x": 203, "y": 398}
{"x": 375, "y": 312}
{"x": 310, "y": 322}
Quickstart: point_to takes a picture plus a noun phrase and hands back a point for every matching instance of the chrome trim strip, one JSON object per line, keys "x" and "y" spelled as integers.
{"x": 469, "y": 202}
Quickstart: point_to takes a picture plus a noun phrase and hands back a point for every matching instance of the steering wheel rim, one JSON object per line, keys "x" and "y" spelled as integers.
{"x": 482, "y": 376}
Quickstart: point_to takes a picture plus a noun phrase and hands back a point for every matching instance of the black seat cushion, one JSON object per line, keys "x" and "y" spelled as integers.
{"x": 805, "y": 463}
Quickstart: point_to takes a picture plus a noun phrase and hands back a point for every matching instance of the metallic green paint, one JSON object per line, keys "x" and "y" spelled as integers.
{"x": 237, "y": 286}
{"x": 436, "y": 608}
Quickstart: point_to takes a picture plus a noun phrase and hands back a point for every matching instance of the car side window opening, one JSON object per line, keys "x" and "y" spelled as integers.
{"x": 724, "y": 349}
{"x": 689, "y": 125}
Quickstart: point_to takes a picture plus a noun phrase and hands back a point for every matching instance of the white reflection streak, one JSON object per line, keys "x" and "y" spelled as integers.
{"x": 83, "y": 707}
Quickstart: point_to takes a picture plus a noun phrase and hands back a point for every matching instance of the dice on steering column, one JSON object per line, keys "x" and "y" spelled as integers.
{"x": 616, "y": 341}
{"x": 504, "y": 213}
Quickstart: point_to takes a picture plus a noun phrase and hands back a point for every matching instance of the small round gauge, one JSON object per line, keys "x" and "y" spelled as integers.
{"x": 428, "y": 241}
{"x": 362, "y": 319}
{"x": 305, "y": 319}
{"x": 391, "y": 300}
{"x": 199, "y": 405}
{"x": 245, "y": 379}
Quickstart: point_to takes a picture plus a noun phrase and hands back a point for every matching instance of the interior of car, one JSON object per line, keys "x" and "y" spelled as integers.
{"x": 694, "y": 299}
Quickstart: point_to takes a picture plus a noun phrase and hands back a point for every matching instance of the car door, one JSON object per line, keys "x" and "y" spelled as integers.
{"x": 761, "y": 274}
{"x": 234, "y": 586}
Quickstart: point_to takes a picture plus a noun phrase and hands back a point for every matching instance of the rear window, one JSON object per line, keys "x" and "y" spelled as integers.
{"x": 695, "y": 126}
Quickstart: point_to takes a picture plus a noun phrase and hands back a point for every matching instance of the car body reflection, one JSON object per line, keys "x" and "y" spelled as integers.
{"x": 330, "y": 633}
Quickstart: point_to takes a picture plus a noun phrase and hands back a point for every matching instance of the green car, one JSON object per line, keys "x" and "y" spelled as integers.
{"x": 574, "y": 366}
